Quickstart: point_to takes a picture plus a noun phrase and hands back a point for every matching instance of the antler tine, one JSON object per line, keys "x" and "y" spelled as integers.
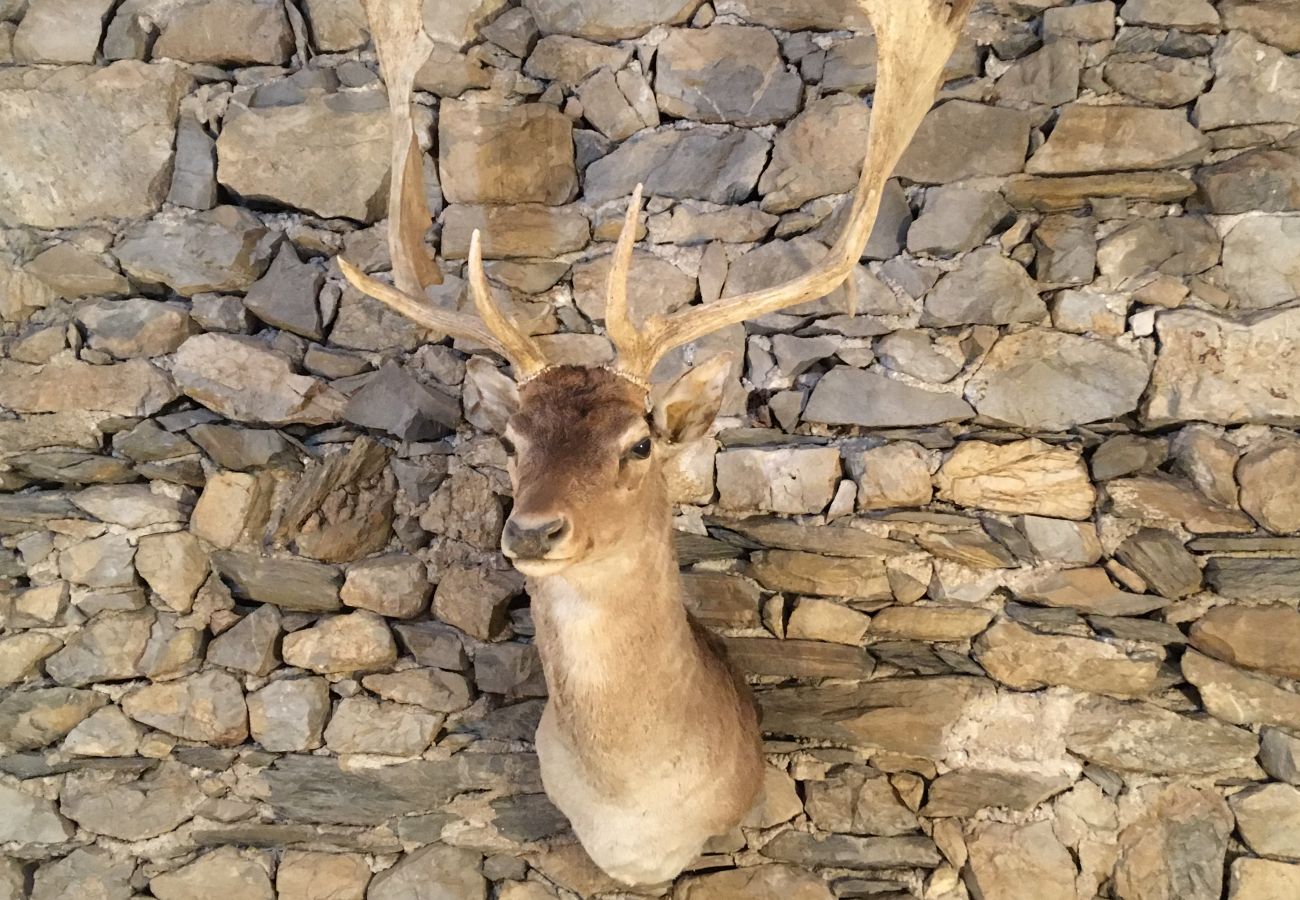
{"x": 402, "y": 47}
{"x": 627, "y": 340}
{"x": 914, "y": 39}
{"x": 521, "y": 349}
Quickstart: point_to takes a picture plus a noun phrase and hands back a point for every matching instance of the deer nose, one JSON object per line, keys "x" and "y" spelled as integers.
{"x": 526, "y": 538}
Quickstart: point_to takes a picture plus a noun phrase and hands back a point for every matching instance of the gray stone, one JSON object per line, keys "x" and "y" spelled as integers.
{"x": 1254, "y": 83}
{"x": 818, "y": 153}
{"x": 433, "y": 689}
{"x": 357, "y": 642}
{"x": 131, "y": 505}
{"x": 226, "y": 32}
{"x": 35, "y": 718}
{"x": 529, "y": 230}
{"x": 1256, "y": 378}
{"x": 74, "y": 272}
{"x": 776, "y": 261}
{"x": 1279, "y": 754}
{"x": 30, "y": 819}
{"x": 103, "y": 562}
{"x": 602, "y": 21}
{"x": 113, "y": 127}
{"x": 789, "y": 480}
{"x": 986, "y": 289}
{"x": 1048, "y": 77}
{"x": 961, "y": 140}
{"x": 207, "y": 707}
{"x": 291, "y": 584}
{"x": 91, "y": 872}
{"x": 657, "y": 287}
{"x": 1259, "y": 261}
{"x": 1118, "y": 138}
{"x": 1083, "y": 21}
{"x": 465, "y": 508}
{"x": 1006, "y": 859}
{"x": 964, "y": 792}
{"x": 513, "y": 31}
{"x": 1266, "y": 180}
{"x": 1162, "y": 561}
{"x": 289, "y": 714}
{"x": 851, "y": 852}
{"x": 337, "y": 25}
{"x": 955, "y": 220}
{"x": 221, "y": 249}
{"x": 362, "y": 725}
{"x": 848, "y": 396}
{"x": 245, "y": 380}
{"x": 395, "y": 585}
{"x": 1066, "y": 250}
{"x": 249, "y": 644}
{"x": 1183, "y": 245}
{"x": 606, "y": 107}
{"x": 433, "y": 644}
{"x": 505, "y": 154}
{"x": 725, "y": 74}
{"x": 132, "y": 810}
{"x": 107, "y": 648}
{"x": 194, "y": 176}
{"x": 1175, "y": 844}
{"x": 393, "y": 401}
{"x": 719, "y": 164}
{"x": 1139, "y": 737}
{"x": 569, "y": 60}
{"x": 762, "y": 882}
{"x": 1268, "y": 20}
{"x": 1262, "y": 879}
{"x": 857, "y": 800}
{"x": 1257, "y": 578}
{"x": 1046, "y": 380}
{"x": 449, "y": 73}
{"x": 60, "y": 31}
{"x": 1158, "y": 81}
{"x": 105, "y": 733}
{"x": 135, "y": 327}
{"x": 285, "y": 297}
{"x": 315, "y": 141}
{"x": 219, "y": 875}
{"x": 1024, "y": 660}
{"x": 1175, "y": 502}
{"x": 474, "y": 598}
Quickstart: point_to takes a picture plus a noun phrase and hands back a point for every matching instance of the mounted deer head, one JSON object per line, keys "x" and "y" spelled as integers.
{"x": 649, "y": 743}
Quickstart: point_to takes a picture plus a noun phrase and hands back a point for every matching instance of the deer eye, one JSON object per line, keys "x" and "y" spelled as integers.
{"x": 508, "y": 446}
{"x": 640, "y": 450}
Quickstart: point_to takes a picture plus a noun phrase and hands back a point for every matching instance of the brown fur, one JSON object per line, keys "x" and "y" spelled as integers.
{"x": 635, "y": 684}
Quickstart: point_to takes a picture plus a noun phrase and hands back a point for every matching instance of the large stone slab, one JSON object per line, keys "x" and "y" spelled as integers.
{"x": 1261, "y": 261}
{"x": 1254, "y": 84}
{"x": 961, "y": 140}
{"x": 132, "y": 388}
{"x": 1227, "y": 371}
{"x": 322, "y": 156}
{"x": 1118, "y": 138}
{"x": 725, "y": 74}
{"x": 849, "y": 396}
{"x": 84, "y": 143}
{"x": 1048, "y": 381}
{"x": 602, "y": 20}
{"x": 221, "y": 249}
{"x": 715, "y": 163}
{"x": 1028, "y": 477}
{"x": 505, "y": 154}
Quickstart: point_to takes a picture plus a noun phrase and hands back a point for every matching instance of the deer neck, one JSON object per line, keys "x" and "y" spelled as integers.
{"x": 616, "y": 644}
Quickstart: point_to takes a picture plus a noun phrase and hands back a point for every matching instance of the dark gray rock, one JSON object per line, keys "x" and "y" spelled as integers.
{"x": 719, "y": 164}
{"x": 725, "y": 74}
{"x": 985, "y": 289}
{"x": 221, "y": 249}
{"x": 848, "y": 396}
{"x": 285, "y": 296}
{"x": 393, "y": 401}
{"x": 292, "y": 584}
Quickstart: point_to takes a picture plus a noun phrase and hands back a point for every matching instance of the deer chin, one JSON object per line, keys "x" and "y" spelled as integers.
{"x": 540, "y": 567}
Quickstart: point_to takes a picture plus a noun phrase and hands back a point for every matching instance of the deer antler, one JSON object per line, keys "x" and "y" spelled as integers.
{"x": 914, "y": 39}
{"x": 402, "y": 47}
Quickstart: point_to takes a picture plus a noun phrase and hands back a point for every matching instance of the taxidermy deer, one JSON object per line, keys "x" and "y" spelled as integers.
{"x": 649, "y": 742}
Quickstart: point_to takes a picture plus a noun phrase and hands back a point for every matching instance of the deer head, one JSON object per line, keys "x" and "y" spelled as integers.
{"x": 586, "y": 443}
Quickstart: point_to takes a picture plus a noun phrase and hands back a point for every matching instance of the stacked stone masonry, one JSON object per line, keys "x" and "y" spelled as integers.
{"x": 1012, "y": 556}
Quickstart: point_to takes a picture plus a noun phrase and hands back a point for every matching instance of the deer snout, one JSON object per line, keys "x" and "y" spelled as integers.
{"x": 525, "y": 537}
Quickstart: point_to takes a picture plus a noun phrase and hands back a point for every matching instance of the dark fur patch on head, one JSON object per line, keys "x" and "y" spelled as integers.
{"x": 576, "y": 402}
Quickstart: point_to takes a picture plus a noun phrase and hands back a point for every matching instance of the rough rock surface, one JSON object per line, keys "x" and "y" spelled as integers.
{"x": 1011, "y": 556}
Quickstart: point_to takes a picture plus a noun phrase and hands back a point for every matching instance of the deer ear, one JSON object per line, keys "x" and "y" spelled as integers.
{"x": 688, "y": 407}
{"x": 490, "y": 397}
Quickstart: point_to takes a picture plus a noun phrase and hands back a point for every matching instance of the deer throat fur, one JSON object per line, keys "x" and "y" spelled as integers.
{"x": 649, "y": 743}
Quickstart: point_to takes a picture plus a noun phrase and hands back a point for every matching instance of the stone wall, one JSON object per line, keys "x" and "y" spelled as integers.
{"x": 1011, "y": 557}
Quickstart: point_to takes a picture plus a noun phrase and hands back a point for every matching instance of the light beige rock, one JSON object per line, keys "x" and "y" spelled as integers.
{"x": 362, "y": 725}
{"x": 356, "y": 642}
{"x": 232, "y": 509}
{"x": 1238, "y": 697}
{"x": 505, "y": 154}
{"x": 1019, "y": 861}
{"x": 809, "y": 573}
{"x": 1025, "y": 660}
{"x": 306, "y": 875}
{"x": 219, "y": 875}
{"x": 897, "y": 474}
{"x": 61, "y": 31}
{"x": 1269, "y": 490}
{"x": 825, "y": 620}
{"x": 1263, "y": 879}
{"x": 20, "y": 654}
{"x": 930, "y": 623}
{"x": 1173, "y": 846}
{"x": 1117, "y": 139}
{"x": 1255, "y": 637}
{"x": 65, "y": 384}
{"x": 785, "y": 480}
{"x": 207, "y": 707}
{"x": 1021, "y": 477}
{"x": 1176, "y": 502}
{"x": 174, "y": 565}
